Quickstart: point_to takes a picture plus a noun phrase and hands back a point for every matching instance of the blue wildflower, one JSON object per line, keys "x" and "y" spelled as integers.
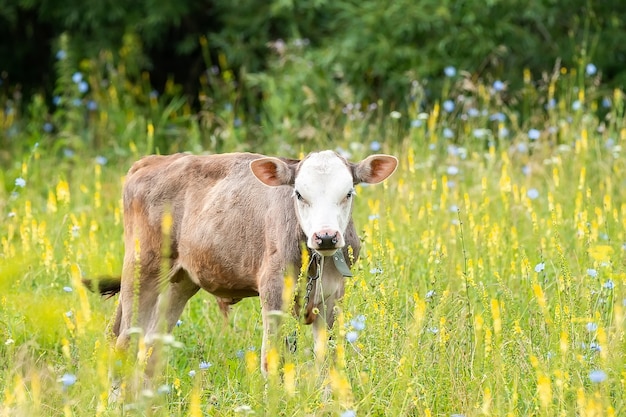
{"x": 68, "y": 379}
{"x": 606, "y": 102}
{"x": 576, "y": 105}
{"x": 448, "y": 106}
{"x": 375, "y": 146}
{"x": 48, "y": 127}
{"x": 592, "y": 272}
{"x": 192, "y": 373}
{"x": 83, "y": 87}
{"x": 497, "y": 117}
{"x": 205, "y": 365}
{"x": 358, "y": 323}
{"x": 480, "y": 133}
{"x": 594, "y": 346}
{"x": 609, "y": 285}
{"x": 20, "y": 182}
{"x": 533, "y": 134}
{"x": 532, "y": 193}
{"x": 449, "y": 71}
{"x": 56, "y": 100}
{"x": 416, "y": 123}
{"x": 348, "y": 413}
{"x": 61, "y": 55}
{"x": 540, "y": 267}
{"x": 452, "y": 170}
{"x": 458, "y": 150}
{"x": 352, "y": 336}
{"x": 472, "y": 112}
{"x": 498, "y": 85}
{"x": 610, "y": 143}
{"x": 591, "y": 326}
{"x": 102, "y": 160}
{"x": 522, "y": 147}
{"x": 550, "y": 104}
{"x": 591, "y": 69}
{"x": 448, "y": 133}
{"x": 597, "y": 376}
{"x": 67, "y": 289}
{"x": 77, "y": 77}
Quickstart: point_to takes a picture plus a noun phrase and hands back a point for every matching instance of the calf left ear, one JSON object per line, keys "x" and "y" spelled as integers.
{"x": 374, "y": 169}
{"x": 272, "y": 171}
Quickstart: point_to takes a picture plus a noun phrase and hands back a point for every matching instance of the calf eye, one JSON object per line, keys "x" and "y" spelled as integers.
{"x": 350, "y": 194}
{"x": 298, "y": 195}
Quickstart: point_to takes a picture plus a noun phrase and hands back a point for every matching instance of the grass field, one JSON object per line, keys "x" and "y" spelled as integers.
{"x": 492, "y": 279}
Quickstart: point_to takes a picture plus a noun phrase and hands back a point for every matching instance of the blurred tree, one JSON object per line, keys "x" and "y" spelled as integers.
{"x": 375, "y": 46}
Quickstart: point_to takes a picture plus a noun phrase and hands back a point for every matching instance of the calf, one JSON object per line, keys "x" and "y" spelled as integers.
{"x": 238, "y": 222}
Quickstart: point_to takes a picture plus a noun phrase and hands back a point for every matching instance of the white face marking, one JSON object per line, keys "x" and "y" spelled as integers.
{"x": 323, "y": 190}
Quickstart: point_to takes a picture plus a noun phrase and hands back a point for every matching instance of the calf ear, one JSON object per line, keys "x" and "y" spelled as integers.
{"x": 374, "y": 169}
{"x": 272, "y": 171}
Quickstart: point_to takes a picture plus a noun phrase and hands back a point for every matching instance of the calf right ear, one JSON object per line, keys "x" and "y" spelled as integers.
{"x": 272, "y": 171}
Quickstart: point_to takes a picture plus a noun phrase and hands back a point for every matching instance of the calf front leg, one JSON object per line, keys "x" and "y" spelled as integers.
{"x": 323, "y": 322}
{"x": 270, "y": 292}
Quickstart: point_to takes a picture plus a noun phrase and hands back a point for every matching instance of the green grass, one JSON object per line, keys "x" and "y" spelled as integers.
{"x": 491, "y": 280}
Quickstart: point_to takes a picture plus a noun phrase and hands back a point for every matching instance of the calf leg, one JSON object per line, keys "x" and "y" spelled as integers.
{"x": 323, "y": 321}
{"x": 169, "y": 306}
{"x": 171, "y": 303}
{"x": 138, "y": 294}
{"x": 270, "y": 292}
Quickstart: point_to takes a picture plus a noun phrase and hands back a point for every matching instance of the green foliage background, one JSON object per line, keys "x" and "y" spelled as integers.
{"x": 375, "y": 47}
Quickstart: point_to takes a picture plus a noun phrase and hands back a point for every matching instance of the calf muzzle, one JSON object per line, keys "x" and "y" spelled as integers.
{"x": 326, "y": 240}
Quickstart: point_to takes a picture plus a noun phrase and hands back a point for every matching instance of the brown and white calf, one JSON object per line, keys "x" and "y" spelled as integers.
{"x": 237, "y": 225}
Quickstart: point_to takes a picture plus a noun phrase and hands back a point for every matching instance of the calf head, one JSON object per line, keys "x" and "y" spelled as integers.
{"x": 323, "y": 185}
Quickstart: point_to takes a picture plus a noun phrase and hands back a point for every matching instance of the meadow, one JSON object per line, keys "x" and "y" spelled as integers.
{"x": 491, "y": 281}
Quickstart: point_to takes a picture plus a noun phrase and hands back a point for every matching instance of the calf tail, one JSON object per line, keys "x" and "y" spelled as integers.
{"x": 108, "y": 286}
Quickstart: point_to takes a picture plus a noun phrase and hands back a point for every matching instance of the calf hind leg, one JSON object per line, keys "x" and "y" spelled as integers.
{"x": 180, "y": 289}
